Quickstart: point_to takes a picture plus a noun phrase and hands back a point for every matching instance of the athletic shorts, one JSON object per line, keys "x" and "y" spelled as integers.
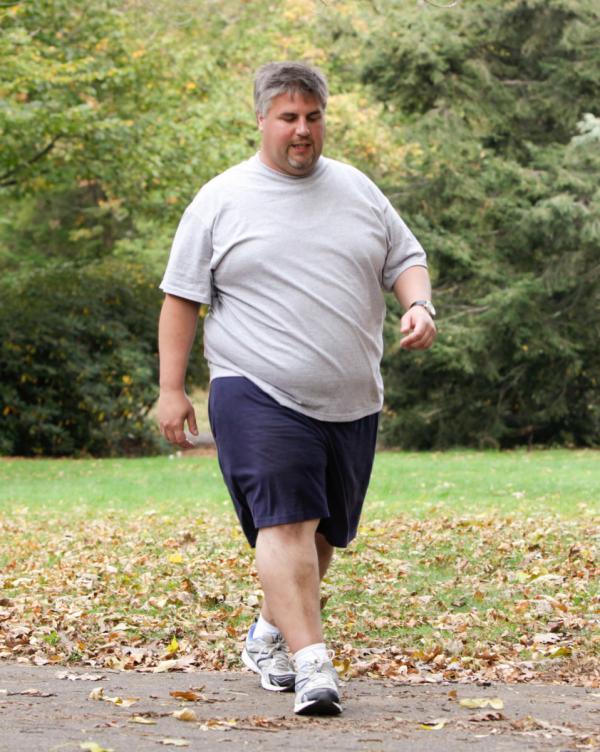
{"x": 281, "y": 466}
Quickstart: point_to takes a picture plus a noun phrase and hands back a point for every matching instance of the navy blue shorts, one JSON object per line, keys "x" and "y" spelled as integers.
{"x": 281, "y": 466}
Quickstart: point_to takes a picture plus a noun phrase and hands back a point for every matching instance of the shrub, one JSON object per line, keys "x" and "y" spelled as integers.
{"x": 79, "y": 364}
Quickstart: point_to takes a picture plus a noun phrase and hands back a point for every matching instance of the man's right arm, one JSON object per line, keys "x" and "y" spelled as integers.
{"x": 176, "y": 333}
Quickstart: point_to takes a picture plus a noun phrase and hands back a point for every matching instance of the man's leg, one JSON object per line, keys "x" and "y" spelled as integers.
{"x": 288, "y": 569}
{"x": 324, "y": 555}
{"x": 290, "y": 562}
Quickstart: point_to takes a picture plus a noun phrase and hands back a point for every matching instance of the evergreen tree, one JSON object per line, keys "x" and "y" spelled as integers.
{"x": 504, "y": 195}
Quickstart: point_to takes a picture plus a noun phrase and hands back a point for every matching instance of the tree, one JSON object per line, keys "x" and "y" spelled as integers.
{"x": 502, "y": 193}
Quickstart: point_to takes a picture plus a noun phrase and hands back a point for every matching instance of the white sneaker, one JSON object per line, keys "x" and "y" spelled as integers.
{"x": 317, "y": 689}
{"x": 269, "y": 657}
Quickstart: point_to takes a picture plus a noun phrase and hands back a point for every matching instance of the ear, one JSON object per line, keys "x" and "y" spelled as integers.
{"x": 260, "y": 119}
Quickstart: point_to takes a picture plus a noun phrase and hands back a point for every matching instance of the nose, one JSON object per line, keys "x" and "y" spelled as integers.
{"x": 302, "y": 128}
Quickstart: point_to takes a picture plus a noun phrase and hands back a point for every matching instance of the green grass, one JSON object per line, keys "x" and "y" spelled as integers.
{"x": 565, "y": 482}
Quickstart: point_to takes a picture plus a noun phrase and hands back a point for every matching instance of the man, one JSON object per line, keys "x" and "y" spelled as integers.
{"x": 291, "y": 250}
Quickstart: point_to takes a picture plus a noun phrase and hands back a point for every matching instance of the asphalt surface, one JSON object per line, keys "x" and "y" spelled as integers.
{"x": 48, "y": 708}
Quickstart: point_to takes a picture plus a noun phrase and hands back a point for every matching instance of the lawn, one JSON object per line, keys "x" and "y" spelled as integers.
{"x": 469, "y": 566}
{"x": 559, "y": 481}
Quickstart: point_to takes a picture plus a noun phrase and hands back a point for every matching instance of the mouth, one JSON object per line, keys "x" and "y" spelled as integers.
{"x": 300, "y": 147}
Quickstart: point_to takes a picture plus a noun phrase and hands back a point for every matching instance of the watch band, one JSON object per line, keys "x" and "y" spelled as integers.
{"x": 426, "y": 304}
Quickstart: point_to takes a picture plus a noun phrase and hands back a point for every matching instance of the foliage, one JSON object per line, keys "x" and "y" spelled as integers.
{"x": 114, "y": 114}
{"x": 449, "y": 598}
{"x": 78, "y": 361}
{"x": 104, "y": 129}
{"x": 503, "y": 195}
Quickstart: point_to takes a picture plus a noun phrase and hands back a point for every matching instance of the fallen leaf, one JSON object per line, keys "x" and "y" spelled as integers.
{"x": 176, "y": 559}
{"x": 482, "y": 702}
{"x": 96, "y": 694}
{"x": 79, "y": 677}
{"x": 124, "y": 702}
{"x": 174, "y": 742}
{"x": 94, "y": 747}
{"x": 188, "y": 695}
{"x": 173, "y": 646}
{"x": 433, "y": 725}
{"x": 142, "y": 719}
{"x": 185, "y": 715}
{"x": 343, "y": 667}
{"x": 218, "y": 723}
{"x": 33, "y": 693}
{"x": 546, "y": 638}
{"x": 561, "y": 652}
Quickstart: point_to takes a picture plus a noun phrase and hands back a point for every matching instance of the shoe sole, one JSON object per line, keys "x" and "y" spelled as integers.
{"x": 318, "y": 707}
{"x": 265, "y": 683}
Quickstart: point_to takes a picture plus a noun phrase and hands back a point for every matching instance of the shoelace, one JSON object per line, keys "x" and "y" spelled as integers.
{"x": 317, "y": 673}
{"x": 277, "y": 652}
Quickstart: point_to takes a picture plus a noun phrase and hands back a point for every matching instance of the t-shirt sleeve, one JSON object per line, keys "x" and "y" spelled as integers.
{"x": 188, "y": 273}
{"x": 404, "y": 250}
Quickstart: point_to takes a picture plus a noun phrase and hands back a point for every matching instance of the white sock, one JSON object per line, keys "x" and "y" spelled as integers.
{"x": 310, "y": 654}
{"x": 263, "y": 629}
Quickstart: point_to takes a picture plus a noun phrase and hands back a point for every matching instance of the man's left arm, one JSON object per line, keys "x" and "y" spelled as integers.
{"x": 417, "y": 324}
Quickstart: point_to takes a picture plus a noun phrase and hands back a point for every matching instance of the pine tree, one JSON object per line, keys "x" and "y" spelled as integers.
{"x": 502, "y": 100}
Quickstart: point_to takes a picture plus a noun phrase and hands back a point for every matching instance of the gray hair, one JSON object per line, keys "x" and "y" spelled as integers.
{"x": 274, "y": 79}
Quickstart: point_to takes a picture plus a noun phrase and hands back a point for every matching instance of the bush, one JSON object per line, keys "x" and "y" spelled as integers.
{"x": 79, "y": 364}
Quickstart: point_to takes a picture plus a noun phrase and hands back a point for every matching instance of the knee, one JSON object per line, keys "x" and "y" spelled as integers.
{"x": 290, "y": 534}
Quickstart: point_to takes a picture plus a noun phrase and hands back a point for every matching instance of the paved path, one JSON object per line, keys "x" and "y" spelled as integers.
{"x": 233, "y": 712}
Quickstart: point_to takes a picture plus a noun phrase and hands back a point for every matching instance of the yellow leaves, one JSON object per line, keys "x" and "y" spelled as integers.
{"x": 173, "y": 646}
{"x": 343, "y": 666}
{"x": 94, "y": 747}
{"x": 98, "y": 694}
{"x": 136, "y": 54}
{"x": 186, "y": 714}
{"x": 142, "y": 720}
{"x": 359, "y": 128}
{"x": 176, "y": 558}
{"x": 562, "y": 652}
{"x": 190, "y": 86}
{"x": 436, "y": 725}
{"x": 481, "y": 702}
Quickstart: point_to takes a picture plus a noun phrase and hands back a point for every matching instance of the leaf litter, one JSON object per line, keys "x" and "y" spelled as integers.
{"x": 461, "y": 599}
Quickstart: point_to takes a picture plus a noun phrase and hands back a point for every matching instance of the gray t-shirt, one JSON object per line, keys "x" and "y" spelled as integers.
{"x": 293, "y": 268}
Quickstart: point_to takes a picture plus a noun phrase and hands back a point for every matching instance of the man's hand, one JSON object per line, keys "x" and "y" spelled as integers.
{"x": 174, "y": 409}
{"x": 419, "y": 328}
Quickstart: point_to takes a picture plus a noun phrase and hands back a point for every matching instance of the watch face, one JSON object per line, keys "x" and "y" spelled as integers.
{"x": 427, "y": 305}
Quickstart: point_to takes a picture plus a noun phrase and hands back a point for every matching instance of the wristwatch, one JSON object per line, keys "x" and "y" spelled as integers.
{"x": 427, "y": 305}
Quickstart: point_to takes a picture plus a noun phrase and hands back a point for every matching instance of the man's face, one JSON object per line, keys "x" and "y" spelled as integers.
{"x": 292, "y": 131}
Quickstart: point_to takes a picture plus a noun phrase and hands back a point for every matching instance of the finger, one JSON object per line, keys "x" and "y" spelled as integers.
{"x": 420, "y": 339}
{"x": 191, "y": 419}
{"x": 180, "y": 439}
{"x": 173, "y": 433}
